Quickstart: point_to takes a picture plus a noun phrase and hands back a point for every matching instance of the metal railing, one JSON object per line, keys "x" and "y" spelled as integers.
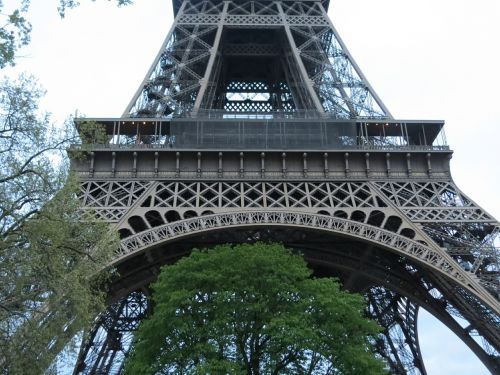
{"x": 169, "y": 146}
{"x": 309, "y": 114}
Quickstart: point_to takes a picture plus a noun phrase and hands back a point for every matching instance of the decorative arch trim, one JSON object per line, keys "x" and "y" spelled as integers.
{"x": 421, "y": 253}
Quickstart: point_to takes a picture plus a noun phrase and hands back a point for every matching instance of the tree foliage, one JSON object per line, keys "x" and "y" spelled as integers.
{"x": 15, "y": 28}
{"x": 252, "y": 309}
{"x": 69, "y": 4}
{"x": 49, "y": 249}
{"x": 29, "y": 150}
{"x": 14, "y": 33}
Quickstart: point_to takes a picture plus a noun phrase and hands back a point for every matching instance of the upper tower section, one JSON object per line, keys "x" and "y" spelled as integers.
{"x": 178, "y": 3}
{"x": 262, "y": 56}
{"x": 260, "y": 75}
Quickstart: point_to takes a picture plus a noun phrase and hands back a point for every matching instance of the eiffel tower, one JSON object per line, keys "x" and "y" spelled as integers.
{"x": 253, "y": 123}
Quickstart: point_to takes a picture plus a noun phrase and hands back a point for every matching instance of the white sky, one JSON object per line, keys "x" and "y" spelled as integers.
{"x": 426, "y": 59}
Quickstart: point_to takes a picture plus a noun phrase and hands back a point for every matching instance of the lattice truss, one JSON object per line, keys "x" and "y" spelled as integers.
{"x": 250, "y": 13}
{"x": 255, "y": 96}
{"x": 248, "y": 97}
{"x": 105, "y": 347}
{"x": 451, "y": 219}
{"x": 253, "y": 13}
{"x": 398, "y": 343}
{"x": 447, "y": 216}
{"x": 337, "y": 82}
{"x": 463, "y": 306}
{"x": 194, "y": 60}
{"x": 454, "y": 222}
{"x": 172, "y": 201}
{"x": 174, "y": 80}
{"x": 110, "y": 200}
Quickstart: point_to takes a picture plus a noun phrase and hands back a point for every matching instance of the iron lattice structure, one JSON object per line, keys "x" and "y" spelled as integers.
{"x": 285, "y": 56}
{"x": 255, "y": 123}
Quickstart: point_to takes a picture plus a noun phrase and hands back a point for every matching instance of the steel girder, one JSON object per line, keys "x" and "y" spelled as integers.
{"x": 105, "y": 347}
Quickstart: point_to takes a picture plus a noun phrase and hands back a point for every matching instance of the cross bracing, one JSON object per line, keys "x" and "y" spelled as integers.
{"x": 168, "y": 209}
{"x": 309, "y": 61}
{"x": 113, "y": 336}
{"x": 421, "y": 201}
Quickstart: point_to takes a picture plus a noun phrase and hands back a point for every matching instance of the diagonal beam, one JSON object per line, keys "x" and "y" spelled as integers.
{"x": 303, "y": 72}
{"x": 213, "y": 54}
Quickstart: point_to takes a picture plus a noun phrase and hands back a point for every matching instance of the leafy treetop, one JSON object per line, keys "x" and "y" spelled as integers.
{"x": 252, "y": 309}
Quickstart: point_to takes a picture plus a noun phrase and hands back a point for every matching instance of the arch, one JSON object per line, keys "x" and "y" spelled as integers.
{"x": 137, "y": 224}
{"x": 323, "y": 212}
{"x": 432, "y": 258}
{"x": 341, "y": 214}
{"x": 376, "y": 218}
{"x": 172, "y": 216}
{"x": 334, "y": 258}
{"x": 393, "y": 223}
{"x": 207, "y": 212}
{"x": 190, "y": 214}
{"x": 407, "y": 232}
{"x": 124, "y": 233}
{"x": 359, "y": 216}
{"x": 154, "y": 218}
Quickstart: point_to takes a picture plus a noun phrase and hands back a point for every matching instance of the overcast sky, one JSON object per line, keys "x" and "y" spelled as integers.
{"x": 426, "y": 59}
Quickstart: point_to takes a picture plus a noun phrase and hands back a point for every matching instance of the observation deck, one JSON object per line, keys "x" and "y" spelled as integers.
{"x": 307, "y": 130}
{"x": 235, "y": 145}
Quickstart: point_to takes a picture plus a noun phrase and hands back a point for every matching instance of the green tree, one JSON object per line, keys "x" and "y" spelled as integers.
{"x": 49, "y": 247}
{"x": 252, "y": 309}
{"x": 14, "y": 33}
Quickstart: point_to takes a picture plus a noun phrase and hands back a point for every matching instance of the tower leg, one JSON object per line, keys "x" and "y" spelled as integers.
{"x": 105, "y": 347}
